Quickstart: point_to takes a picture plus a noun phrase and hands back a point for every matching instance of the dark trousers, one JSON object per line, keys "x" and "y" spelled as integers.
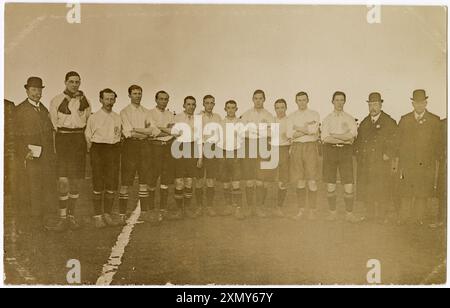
{"x": 105, "y": 161}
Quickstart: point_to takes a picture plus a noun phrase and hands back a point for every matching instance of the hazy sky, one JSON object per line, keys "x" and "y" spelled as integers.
{"x": 229, "y": 51}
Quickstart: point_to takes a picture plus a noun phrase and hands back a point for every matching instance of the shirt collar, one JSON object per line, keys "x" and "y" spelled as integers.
{"x": 338, "y": 113}
{"x": 38, "y": 104}
{"x": 375, "y": 118}
{"x": 419, "y": 116}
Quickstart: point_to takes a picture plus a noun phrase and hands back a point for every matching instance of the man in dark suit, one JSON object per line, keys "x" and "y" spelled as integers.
{"x": 418, "y": 138}
{"x": 375, "y": 151}
{"x": 34, "y": 153}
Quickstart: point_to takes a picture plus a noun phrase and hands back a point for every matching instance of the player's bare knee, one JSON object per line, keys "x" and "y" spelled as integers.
{"x": 123, "y": 190}
{"x": 348, "y": 189}
{"x": 143, "y": 187}
{"x": 250, "y": 184}
{"x": 259, "y": 183}
{"x": 226, "y": 186}
{"x": 179, "y": 184}
{"x": 210, "y": 183}
{"x": 301, "y": 184}
{"x": 312, "y": 185}
{"x": 188, "y": 183}
{"x": 282, "y": 186}
{"x": 236, "y": 184}
{"x": 331, "y": 188}
{"x": 63, "y": 185}
{"x": 164, "y": 187}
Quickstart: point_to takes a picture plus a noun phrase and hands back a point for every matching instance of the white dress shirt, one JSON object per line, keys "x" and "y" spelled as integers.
{"x": 300, "y": 119}
{"x": 339, "y": 123}
{"x": 103, "y": 127}
{"x": 76, "y": 118}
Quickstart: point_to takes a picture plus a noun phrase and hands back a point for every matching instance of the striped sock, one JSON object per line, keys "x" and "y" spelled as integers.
{"x": 73, "y": 198}
{"x": 63, "y": 203}
{"x": 97, "y": 202}
{"x": 109, "y": 202}
{"x": 144, "y": 200}
{"x": 123, "y": 203}
{"x": 179, "y": 198}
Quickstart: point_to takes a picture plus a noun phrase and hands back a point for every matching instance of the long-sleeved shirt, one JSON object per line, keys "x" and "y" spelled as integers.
{"x": 187, "y": 136}
{"x": 103, "y": 127}
{"x": 214, "y": 121}
{"x": 134, "y": 117}
{"x": 256, "y": 117}
{"x": 339, "y": 123}
{"x": 227, "y": 144}
{"x": 76, "y": 118}
{"x": 283, "y": 139}
{"x": 162, "y": 119}
{"x": 304, "y": 118}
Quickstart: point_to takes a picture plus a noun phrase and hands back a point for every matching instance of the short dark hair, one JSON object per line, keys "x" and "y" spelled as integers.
{"x": 189, "y": 97}
{"x": 71, "y": 74}
{"x": 208, "y": 96}
{"x": 134, "y": 87}
{"x": 232, "y": 102}
{"x": 107, "y": 90}
{"x": 281, "y": 101}
{"x": 339, "y": 93}
{"x": 260, "y": 92}
{"x": 301, "y": 93}
{"x": 160, "y": 92}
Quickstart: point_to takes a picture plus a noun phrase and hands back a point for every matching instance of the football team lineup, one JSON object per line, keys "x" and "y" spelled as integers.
{"x": 225, "y": 145}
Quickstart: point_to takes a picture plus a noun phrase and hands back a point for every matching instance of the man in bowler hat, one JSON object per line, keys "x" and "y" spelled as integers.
{"x": 34, "y": 153}
{"x": 418, "y": 137}
{"x": 375, "y": 152}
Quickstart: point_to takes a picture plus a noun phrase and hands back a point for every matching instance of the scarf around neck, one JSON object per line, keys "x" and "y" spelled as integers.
{"x": 64, "y": 106}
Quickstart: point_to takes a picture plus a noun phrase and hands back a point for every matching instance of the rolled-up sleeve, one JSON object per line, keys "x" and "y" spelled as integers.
{"x": 127, "y": 128}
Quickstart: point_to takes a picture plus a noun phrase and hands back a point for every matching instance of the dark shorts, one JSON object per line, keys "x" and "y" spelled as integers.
{"x": 71, "y": 155}
{"x": 252, "y": 168}
{"x": 284, "y": 164}
{"x": 230, "y": 169}
{"x": 338, "y": 158}
{"x": 162, "y": 164}
{"x": 211, "y": 166}
{"x": 136, "y": 157}
{"x": 105, "y": 160}
{"x": 185, "y": 167}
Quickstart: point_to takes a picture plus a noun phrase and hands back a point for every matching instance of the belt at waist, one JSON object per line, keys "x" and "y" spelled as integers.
{"x": 66, "y": 130}
{"x": 338, "y": 145}
{"x": 160, "y": 142}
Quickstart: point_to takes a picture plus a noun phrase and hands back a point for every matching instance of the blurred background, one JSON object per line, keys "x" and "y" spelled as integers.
{"x": 229, "y": 51}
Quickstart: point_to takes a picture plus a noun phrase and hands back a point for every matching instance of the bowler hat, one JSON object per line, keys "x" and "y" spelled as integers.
{"x": 34, "y": 82}
{"x": 419, "y": 95}
{"x": 375, "y": 97}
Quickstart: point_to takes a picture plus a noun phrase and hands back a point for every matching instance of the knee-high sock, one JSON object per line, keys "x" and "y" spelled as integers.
{"x": 281, "y": 197}
{"x": 236, "y": 196}
{"x": 151, "y": 200}
{"x": 164, "y": 194}
{"x": 123, "y": 203}
{"x": 312, "y": 199}
{"x": 187, "y": 197}
{"x": 348, "y": 199}
{"x": 63, "y": 203}
{"x": 108, "y": 203}
{"x": 250, "y": 194}
{"x": 199, "y": 197}
{"x": 227, "y": 196}
{"x": 301, "y": 198}
{"x": 73, "y": 198}
{"x": 332, "y": 201}
{"x": 97, "y": 198}
{"x": 179, "y": 198}
{"x": 210, "y": 192}
{"x": 144, "y": 200}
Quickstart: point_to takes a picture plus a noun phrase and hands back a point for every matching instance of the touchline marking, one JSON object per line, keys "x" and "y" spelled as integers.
{"x": 115, "y": 259}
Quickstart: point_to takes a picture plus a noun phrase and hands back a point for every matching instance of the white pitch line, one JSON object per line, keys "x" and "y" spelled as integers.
{"x": 115, "y": 259}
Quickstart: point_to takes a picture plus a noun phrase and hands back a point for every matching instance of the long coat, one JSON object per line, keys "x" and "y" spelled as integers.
{"x": 37, "y": 179}
{"x": 374, "y": 179}
{"x": 418, "y": 151}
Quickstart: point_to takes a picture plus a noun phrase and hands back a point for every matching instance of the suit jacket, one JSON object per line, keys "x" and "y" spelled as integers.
{"x": 418, "y": 142}
{"x": 376, "y": 139}
{"x": 33, "y": 127}
{"x": 373, "y": 173}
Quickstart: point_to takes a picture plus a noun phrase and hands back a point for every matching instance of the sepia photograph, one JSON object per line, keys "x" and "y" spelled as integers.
{"x": 214, "y": 144}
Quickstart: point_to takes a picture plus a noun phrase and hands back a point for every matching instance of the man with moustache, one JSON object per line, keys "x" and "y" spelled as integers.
{"x": 33, "y": 135}
{"x": 339, "y": 131}
{"x": 375, "y": 151}
{"x": 136, "y": 155}
{"x": 418, "y": 152}
{"x": 303, "y": 129}
{"x": 256, "y": 178}
{"x": 103, "y": 133}
{"x": 69, "y": 112}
